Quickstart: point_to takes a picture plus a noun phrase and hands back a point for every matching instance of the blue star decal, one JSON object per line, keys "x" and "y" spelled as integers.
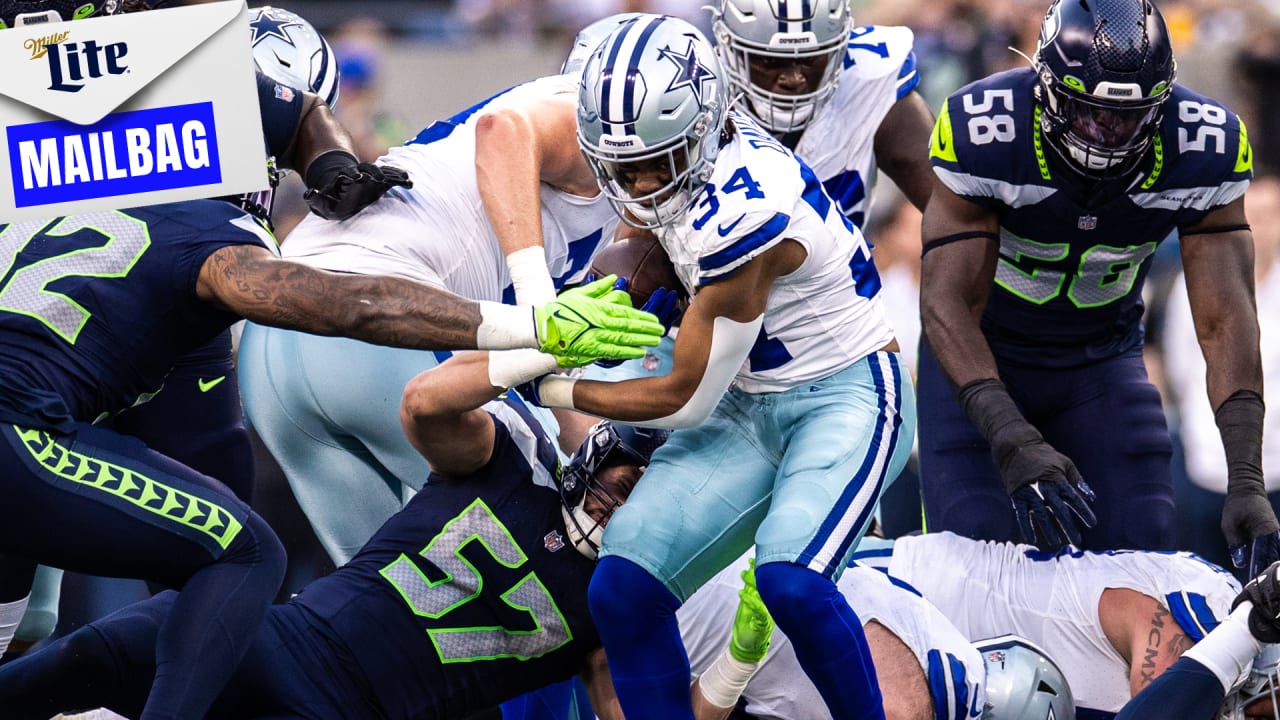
{"x": 692, "y": 73}
{"x": 266, "y": 26}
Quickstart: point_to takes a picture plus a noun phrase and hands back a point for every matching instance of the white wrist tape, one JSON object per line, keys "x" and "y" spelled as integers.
{"x": 557, "y": 391}
{"x": 530, "y": 277}
{"x": 505, "y": 327}
{"x": 1228, "y": 651}
{"x": 508, "y": 368}
{"x": 722, "y": 684}
{"x": 10, "y": 617}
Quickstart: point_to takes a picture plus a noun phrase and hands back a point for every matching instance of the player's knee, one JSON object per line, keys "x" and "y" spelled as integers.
{"x": 258, "y": 546}
{"x": 83, "y": 653}
{"x": 791, "y": 591}
{"x": 620, "y": 591}
{"x": 37, "y": 624}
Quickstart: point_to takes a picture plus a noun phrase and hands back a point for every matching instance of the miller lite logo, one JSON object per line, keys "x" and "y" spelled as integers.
{"x": 71, "y": 63}
{"x": 127, "y": 110}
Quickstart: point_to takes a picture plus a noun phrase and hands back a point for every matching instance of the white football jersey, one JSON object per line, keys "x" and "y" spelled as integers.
{"x": 819, "y": 319}
{"x": 781, "y": 690}
{"x": 438, "y": 232}
{"x": 990, "y": 589}
{"x": 839, "y": 143}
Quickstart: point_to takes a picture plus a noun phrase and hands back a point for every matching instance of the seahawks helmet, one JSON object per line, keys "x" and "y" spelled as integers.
{"x": 779, "y": 31}
{"x": 652, "y": 91}
{"x": 588, "y": 38}
{"x": 1022, "y": 682}
{"x": 606, "y": 445}
{"x": 1105, "y": 70}
{"x": 15, "y": 13}
{"x": 1261, "y": 685}
{"x": 290, "y": 51}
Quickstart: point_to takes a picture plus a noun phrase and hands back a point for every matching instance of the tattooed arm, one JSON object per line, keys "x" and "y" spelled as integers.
{"x": 1143, "y": 632}
{"x": 251, "y": 282}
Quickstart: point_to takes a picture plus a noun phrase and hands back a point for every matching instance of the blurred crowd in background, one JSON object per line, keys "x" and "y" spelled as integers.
{"x": 400, "y": 56}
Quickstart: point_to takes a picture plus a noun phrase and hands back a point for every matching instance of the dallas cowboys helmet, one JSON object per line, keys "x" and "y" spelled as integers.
{"x": 780, "y": 32}
{"x": 588, "y": 38}
{"x": 16, "y": 13}
{"x": 1022, "y": 682}
{"x": 1105, "y": 70}
{"x": 605, "y": 446}
{"x": 290, "y": 51}
{"x": 652, "y": 92}
{"x": 1261, "y": 686}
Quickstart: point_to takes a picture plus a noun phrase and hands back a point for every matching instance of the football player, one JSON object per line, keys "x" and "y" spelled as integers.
{"x": 197, "y": 418}
{"x": 842, "y": 97}
{"x": 503, "y": 208}
{"x": 925, "y": 667}
{"x": 473, "y": 593}
{"x": 1054, "y": 185}
{"x": 820, "y": 415}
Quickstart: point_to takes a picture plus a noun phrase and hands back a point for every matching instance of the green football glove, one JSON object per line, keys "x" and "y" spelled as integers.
{"x": 595, "y": 321}
{"x": 752, "y": 625}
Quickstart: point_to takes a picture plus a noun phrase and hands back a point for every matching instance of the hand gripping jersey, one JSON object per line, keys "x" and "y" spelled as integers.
{"x": 839, "y": 143}
{"x": 781, "y": 690}
{"x": 469, "y": 596}
{"x": 438, "y": 232}
{"x": 819, "y": 319}
{"x": 1073, "y": 256}
{"x": 989, "y": 589}
{"x": 95, "y": 308}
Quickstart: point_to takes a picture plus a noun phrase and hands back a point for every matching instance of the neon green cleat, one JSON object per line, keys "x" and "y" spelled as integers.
{"x": 752, "y": 624}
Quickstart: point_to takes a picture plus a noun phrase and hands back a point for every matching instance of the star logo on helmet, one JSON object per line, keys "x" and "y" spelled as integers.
{"x": 265, "y": 26}
{"x": 691, "y": 72}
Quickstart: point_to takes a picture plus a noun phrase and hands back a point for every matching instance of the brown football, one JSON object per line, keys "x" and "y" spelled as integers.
{"x": 642, "y": 261}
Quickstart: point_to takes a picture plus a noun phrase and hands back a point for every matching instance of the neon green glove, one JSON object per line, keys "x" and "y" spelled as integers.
{"x": 752, "y": 625}
{"x": 595, "y": 321}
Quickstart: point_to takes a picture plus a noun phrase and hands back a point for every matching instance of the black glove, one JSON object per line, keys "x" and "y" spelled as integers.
{"x": 1248, "y": 522}
{"x": 340, "y": 187}
{"x": 1046, "y": 489}
{"x": 1043, "y": 484}
{"x": 1264, "y": 592}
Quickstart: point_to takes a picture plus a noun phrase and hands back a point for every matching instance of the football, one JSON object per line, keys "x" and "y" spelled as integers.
{"x": 642, "y": 261}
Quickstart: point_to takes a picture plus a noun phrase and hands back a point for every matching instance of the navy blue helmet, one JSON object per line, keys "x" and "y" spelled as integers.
{"x": 15, "y": 13}
{"x": 1106, "y": 69}
{"x": 606, "y": 445}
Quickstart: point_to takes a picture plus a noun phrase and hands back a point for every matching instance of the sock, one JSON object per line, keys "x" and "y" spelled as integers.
{"x": 636, "y": 617}
{"x": 827, "y": 637}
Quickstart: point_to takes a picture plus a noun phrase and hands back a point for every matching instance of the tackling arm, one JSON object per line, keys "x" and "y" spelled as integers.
{"x": 441, "y": 416}
{"x": 904, "y": 130}
{"x": 592, "y": 321}
{"x": 716, "y": 335}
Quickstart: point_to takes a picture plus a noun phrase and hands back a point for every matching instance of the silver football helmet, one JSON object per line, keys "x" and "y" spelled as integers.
{"x": 289, "y": 50}
{"x": 1022, "y": 682}
{"x": 1262, "y": 686}
{"x": 779, "y": 31}
{"x": 588, "y": 38}
{"x": 652, "y": 93}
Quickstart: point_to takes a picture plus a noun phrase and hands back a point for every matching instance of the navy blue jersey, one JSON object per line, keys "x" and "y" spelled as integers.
{"x": 469, "y": 596}
{"x": 1073, "y": 254}
{"x": 95, "y": 308}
